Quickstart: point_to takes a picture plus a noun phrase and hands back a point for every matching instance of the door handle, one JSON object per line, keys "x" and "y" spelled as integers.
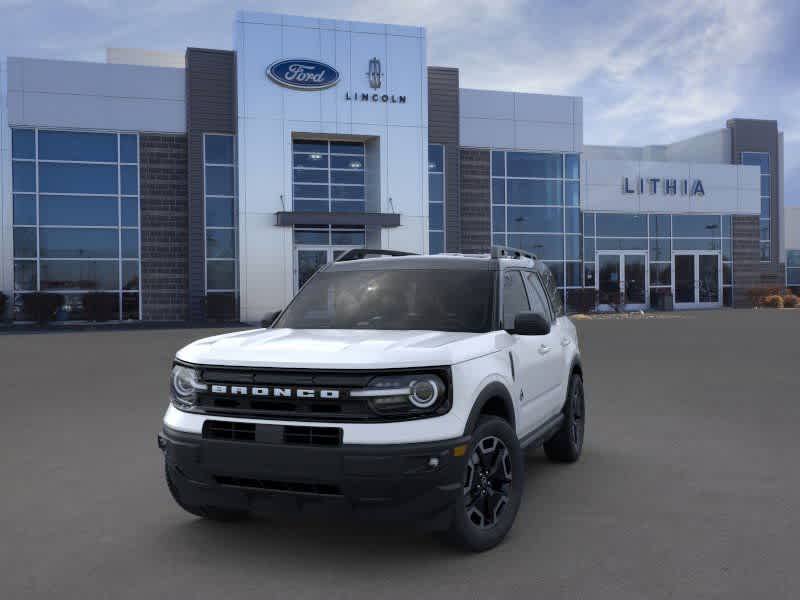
{"x": 544, "y": 349}
{"x": 565, "y": 342}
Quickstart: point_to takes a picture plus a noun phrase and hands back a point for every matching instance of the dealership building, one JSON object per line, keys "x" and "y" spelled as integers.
{"x": 212, "y": 183}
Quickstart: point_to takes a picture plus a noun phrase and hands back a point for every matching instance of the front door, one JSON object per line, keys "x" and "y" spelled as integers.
{"x": 308, "y": 260}
{"x": 697, "y": 279}
{"x": 622, "y": 280}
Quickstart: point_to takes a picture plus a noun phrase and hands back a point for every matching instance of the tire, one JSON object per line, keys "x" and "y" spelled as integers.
{"x": 567, "y": 443}
{"x": 492, "y": 492}
{"x": 212, "y": 513}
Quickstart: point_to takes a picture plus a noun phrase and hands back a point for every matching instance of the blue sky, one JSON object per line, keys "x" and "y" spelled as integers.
{"x": 649, "y": 72}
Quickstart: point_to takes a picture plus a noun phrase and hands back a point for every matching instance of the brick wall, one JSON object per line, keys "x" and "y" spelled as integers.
{"x": 476, "y": 216}
{"x": 165, "y": 232}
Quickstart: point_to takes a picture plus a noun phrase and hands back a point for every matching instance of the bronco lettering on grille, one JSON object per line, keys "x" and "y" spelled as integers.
{"x": 275, "y": 392}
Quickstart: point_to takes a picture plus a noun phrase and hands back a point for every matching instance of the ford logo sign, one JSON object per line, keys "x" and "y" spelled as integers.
{"x": 302, "y": 74}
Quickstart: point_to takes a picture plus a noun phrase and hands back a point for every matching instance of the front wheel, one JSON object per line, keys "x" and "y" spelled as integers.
{"x": 492, "y": 490}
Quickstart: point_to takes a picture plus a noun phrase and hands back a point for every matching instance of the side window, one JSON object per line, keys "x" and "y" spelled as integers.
{"x": 537, "y": 295}
{"x": 515, "y": 299}
{"x": 550, "y": 286}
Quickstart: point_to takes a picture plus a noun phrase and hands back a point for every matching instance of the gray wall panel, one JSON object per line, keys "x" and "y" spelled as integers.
{"x": 210, "y": 108}
{"x": 443, "y": 128}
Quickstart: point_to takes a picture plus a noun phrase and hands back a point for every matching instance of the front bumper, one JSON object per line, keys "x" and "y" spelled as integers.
{"x": 417, "y": 481}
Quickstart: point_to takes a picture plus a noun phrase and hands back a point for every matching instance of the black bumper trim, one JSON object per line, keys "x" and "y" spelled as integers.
{"x": 413, "y": 480}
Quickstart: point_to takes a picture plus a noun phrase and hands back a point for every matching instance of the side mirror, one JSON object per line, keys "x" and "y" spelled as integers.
{"x": 269, "y": 319}
{"x": 530, "y": 323}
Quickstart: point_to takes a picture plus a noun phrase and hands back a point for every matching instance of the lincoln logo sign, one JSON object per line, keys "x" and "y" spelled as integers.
{"x": 302, "y": 74}
{"x": 669, "y": 187}
{"x": 274, "y": 392}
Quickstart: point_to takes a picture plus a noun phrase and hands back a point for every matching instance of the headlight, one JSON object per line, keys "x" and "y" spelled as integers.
{"x": 405, "y": 395}
{"x": 184, "y": 385}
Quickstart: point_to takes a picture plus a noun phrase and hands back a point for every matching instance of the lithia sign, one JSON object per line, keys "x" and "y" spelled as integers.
{"x": 667, "y": 186}
{"x": 306, "y": 74}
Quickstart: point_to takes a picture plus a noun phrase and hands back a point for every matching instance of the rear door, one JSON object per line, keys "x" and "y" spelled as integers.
{"x": 551, "y": 350}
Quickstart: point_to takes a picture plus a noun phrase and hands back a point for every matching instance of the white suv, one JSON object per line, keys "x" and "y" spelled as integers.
{"x": 392, "y": 385}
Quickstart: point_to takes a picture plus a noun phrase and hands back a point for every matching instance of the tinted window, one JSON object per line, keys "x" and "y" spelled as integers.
{"x": 623, "y": 225}
{"x": 24, "y": 275}
{"x": 551, "y": 287}
{"x": 130, "y": 212}
{"x": 24, "y": 209}
{"x": 219, "y": 181}
{"x": 78, "y": 243}
{"x": 129, "y": 184}
{"x": 130, "y": 243}
{"x": 80, "y": 275}
{"x": 221, "y": 274}
{"x": 573, "y": 166}
{"x": 77, "y": 179}
{"x": 436, "y": 300}
{"x": 696, "y": 225}
{"x": 23, "y": 144}
{"x": 220, "y": 243}
{"x": 77, "y": 210}
{"x": 498, "y": 163}
{"x": 529, "y": 164}
{"x": 219, "y": 212}
{"x": 537, "y": 296}
{"x": 435, "y": 158}
{"x": 219, "y": 149}
{"x": 436, "y": 216}
{"x": 572, "y": 193}
{"x": 23, "y": 176}
{"x": 532, "y": 191}
{"x": 660, "y": 226}
{"x": 546, "y": 247}
{"x": 348, "y": 238}
{"x": 25, "y": 242}
{"x": 347, "y": 148}
{"x": 535, "y": 219}
{"x": 515, "y": 299}
{"x": 73, "y": 145}
{"x": 128, "y": 151}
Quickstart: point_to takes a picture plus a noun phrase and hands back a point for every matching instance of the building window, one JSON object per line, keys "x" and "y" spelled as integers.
{"x": 436, "y": 198}
{"x": 328, "y": 176}
{"x": 76, "y": 221}
{"x": 658, "y": 235}
{"x": 793, "y": 268}
{"x": 536, "y": 207}
{"x": 761, "y": 160}
{"x": 222, "y": 277}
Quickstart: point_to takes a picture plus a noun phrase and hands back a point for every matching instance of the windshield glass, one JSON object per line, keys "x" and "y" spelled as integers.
{"x": 436, "y": 299}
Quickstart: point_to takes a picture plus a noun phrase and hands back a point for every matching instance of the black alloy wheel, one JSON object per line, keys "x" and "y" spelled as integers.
{"x": 487, "y": 485}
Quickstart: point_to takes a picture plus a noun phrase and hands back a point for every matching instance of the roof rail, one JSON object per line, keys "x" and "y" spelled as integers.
{"x": 508, "y": 252}
{"x": 359, "y": 253}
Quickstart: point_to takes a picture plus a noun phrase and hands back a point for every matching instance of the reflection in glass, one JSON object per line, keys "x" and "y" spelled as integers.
{"x": 77, "y": 146}
{"x": 56, "y": 242}
{"x": 25, "y": 242}
{"x": 67, "y": 178}
{"x": 80, "y": 275}
{"x": 77, "y": 210}
{"x": 221, "y": 274}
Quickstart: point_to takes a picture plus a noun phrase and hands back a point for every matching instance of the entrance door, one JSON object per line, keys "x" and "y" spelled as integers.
{"x": 697, "y": 279}
{"x": 622, "y": 279}
{"x": 308, "y": 260}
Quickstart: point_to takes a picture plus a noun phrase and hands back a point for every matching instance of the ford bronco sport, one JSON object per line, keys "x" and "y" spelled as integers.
{"x": 392, "y": 384}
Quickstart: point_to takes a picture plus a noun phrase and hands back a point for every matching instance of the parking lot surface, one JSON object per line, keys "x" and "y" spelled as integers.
{"x": 688, "y": 486}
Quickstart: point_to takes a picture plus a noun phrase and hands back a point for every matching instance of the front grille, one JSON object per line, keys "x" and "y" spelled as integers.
{"x": 313, "y": 436}
{"x": 343, "y": 408}
{"x": 294, "y": 487}
{"x": 228, "y": 430}
{"x": 272, "y": 434}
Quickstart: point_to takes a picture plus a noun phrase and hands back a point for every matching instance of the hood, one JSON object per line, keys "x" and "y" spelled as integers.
{"x": 340, "y": 348}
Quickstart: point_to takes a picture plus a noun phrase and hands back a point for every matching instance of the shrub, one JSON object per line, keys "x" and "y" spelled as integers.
{"x": 41, "y": 306}
{"x": 790, "y": 301}
{"x": 3, "y": 306}
{"x": 99, "y": 306}
{"x": 773, "y": 301}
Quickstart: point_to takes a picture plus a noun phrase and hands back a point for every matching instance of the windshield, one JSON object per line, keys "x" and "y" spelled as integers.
{"x": 436, "y": 299}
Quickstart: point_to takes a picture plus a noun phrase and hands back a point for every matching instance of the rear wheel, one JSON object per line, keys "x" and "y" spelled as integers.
{"x": 492, "y": 490}
{"x": 213, "y": 513}
{"x": 567, "y": 443}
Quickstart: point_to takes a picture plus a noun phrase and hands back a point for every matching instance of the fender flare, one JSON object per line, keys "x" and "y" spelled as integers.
{"x": 492, "y": 390}
{"x": 576, "y": 362}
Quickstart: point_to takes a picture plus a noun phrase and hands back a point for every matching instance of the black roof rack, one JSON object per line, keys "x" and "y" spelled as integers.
{"x": 359, "y": 253}
{"x": 508, "y": 252}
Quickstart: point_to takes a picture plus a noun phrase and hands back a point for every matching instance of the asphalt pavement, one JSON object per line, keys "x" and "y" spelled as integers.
{"x": 688, "y": 486}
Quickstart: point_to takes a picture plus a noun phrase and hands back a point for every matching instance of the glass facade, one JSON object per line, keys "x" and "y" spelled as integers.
{"x": 659, "y": 235}
{"x": 761, "y": 160}
{"x": 436, "y": 198}
{"x": 328, "y": 176}
{"x": 222, "y": 277}
{"x": 76, "y": 220}
{"x": 793, "y": 268}
{"x": 536, "y": 207}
